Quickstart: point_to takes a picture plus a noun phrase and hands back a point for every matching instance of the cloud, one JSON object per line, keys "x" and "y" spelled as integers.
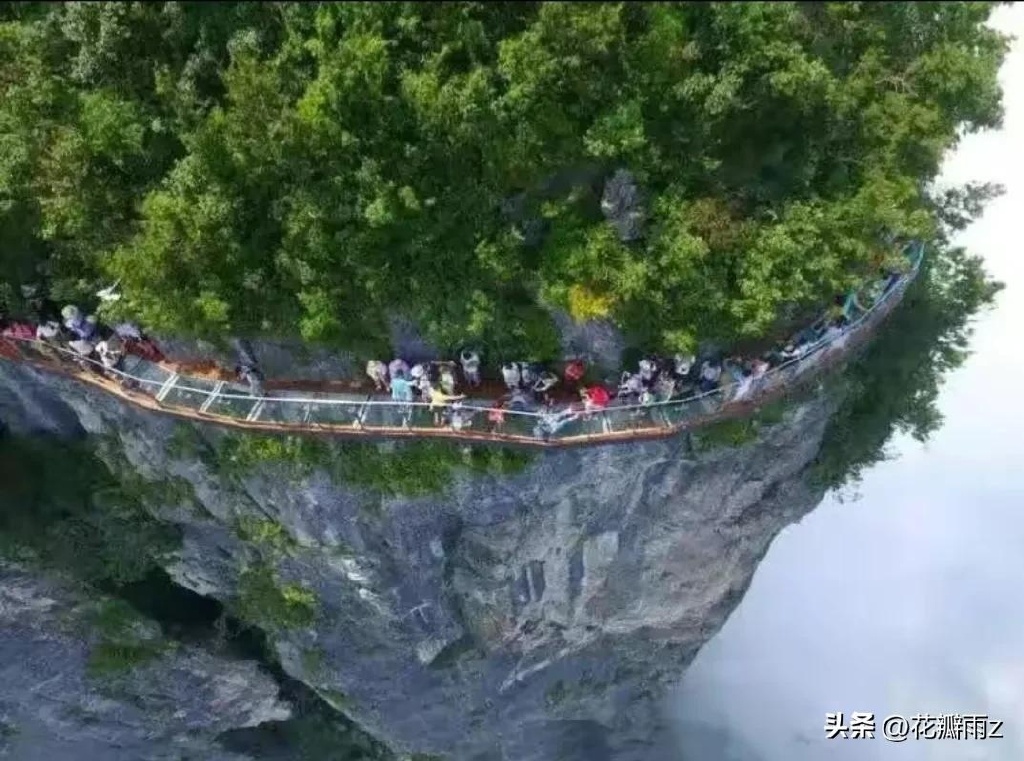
{"x": 903, "y": 601}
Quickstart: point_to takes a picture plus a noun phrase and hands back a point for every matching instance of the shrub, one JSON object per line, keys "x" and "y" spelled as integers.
{"x": 238, "y": 454}
{"x": 269, "y": 604}
{"x": 123, "y": 639}
{"x": 266, "y": 534}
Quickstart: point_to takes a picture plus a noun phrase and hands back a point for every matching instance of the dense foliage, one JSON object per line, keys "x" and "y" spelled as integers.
{"x": 274, "y": 168}
{"x": 413, "y": 468}
{"x": 894, "y": 386}
{"x": 63, "y": 508}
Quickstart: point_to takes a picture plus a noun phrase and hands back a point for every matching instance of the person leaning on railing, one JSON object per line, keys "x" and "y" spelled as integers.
{"x": 110, "y": 351}
{"x": 461, "y": 417}
{"x": 542, "y": 388}
{"x": 439, "y": 400}
{"x": 496, "y": 416}
{"x": 551, "y": 422}
{"x": 594, "y": 398}
{"x": 758, "y": 369}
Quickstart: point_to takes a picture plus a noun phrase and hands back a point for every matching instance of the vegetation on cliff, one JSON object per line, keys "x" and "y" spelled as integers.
{"x": 65, "y": 509}
{"x": 893, "y": 387}
{"x": 263, "y": 168}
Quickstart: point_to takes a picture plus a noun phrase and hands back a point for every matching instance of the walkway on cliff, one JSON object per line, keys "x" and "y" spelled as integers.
{"x": 339, "y": 409}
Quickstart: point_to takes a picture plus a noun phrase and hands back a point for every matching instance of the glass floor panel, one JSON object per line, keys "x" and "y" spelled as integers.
{"x": 191, "y": 393}
{"x": 231, "y": 406}
{"x": 517, "y": 425}
{"x": 421, "y": 416}
{"x": 334, "y": 414}
{"x": 150, "y": 371}
{"x": 282, "y": 412}
{"x": 631, "y": 420}
{"x": 389, "y": 416}
{"x": 581, "y": 426}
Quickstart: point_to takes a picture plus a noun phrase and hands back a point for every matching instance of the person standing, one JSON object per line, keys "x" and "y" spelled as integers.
{"x": 471, "y": 367}
{"x": 378, "y": 373}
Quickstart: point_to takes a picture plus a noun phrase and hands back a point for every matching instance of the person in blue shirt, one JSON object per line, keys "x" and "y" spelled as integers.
{"x": 401, "y": 391}
{"x": 84, "y": 328}
{"x": 401, "y": 388}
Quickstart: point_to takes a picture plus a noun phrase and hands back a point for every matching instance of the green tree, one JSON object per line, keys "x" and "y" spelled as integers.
{"x": 894, "y": 385}
{"x": 310, "y": 169}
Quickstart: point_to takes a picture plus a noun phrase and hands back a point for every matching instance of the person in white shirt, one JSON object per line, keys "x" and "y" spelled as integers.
{"x": 378, "y": 373}
{"x": 647, "y": 370}
{"x": 48, "y": 331}
{"x": 419, "y": 376}
{"x": 511, "y": 374}
{"x": 630, "y": 384}
{"x": 110, "y": 352}
{"x": 471, "y": 367}
{"x": 743, "y": 385}
{"x": 461, "y": 417}
{"x": 542, "y": 388}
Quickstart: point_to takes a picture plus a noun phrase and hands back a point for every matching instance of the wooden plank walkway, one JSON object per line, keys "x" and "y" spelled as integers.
{"x": 648, "y": 424}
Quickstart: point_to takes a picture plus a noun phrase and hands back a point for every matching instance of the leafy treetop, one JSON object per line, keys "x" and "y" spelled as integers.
{"x": 265, "y": 168}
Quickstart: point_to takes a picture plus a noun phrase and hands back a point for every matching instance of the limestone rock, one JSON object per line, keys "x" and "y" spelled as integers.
{"x": 169, "y": 706}
{"x": 622, "y": 204}
{"x": 531, "y": 616}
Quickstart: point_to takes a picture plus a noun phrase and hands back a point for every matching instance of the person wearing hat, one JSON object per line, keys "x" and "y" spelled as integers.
{"x": 111, "y": 352}
{"x": 82, "y": 327}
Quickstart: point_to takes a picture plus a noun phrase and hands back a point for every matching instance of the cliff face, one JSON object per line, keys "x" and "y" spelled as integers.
{"x": 528, "y": 616}
{"x": 68, "y": 691}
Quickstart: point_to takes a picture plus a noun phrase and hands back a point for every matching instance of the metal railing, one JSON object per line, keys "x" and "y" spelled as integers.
{"x": 218, "y": 401}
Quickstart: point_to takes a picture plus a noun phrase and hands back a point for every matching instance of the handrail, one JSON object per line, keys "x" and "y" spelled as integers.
{"x": 171, "y": 385}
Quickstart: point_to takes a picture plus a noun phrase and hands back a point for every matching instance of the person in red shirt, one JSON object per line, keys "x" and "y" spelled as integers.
{"x": 595, "y": 398}
{"x": 496, "y": 416}
{"x": 8, "y": 349}
{"x": 574, "y": 371}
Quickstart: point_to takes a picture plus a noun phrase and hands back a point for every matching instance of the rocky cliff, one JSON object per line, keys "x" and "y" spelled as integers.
{"x": 534, "y": 615}
{"x": 82, "y": 677}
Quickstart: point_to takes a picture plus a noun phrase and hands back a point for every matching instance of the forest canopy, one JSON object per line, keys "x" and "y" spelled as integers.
{"x": 311, "y": 168}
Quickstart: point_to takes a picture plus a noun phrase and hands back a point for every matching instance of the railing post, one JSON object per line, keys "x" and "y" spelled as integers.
{"x": 165, "y": 389}
{"x": 361, "y": 414}
{"x": 254, "y": 413}
{"x": 212, "y": 396}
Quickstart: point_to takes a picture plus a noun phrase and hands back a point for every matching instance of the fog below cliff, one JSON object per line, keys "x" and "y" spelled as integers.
{"x": 905, "y": 600}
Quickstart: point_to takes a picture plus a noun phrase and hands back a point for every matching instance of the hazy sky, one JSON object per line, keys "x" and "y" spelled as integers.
{"x": 909, "y": 599}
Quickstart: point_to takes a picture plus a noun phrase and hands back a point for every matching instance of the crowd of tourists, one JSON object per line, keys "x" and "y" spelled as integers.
{"x": 443, "y": 385}
{"x": 94, "y": 345}
{"x": 534, "y": 387}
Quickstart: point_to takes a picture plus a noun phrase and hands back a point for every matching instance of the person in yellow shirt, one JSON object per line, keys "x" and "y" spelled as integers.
{"x": 439, "y": 400}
